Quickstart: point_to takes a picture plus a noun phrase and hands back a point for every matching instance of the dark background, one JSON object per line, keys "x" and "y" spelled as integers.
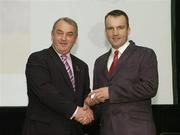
{"x": 166, "y": 117}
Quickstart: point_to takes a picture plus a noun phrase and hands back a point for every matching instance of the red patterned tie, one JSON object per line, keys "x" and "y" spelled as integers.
{"x": 114, "y": 63}
{"x": 68, "y": 69}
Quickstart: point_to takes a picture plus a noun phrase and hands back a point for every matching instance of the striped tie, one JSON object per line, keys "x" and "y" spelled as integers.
{"x": 68, "y": 69}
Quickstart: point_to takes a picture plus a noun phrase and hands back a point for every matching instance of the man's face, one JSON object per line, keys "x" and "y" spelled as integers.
{"x": 117, "y": 30}
{"x": 63, "y": 37}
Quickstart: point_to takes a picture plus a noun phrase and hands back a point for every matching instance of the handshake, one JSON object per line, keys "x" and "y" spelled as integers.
{"x": 84, "y": 114}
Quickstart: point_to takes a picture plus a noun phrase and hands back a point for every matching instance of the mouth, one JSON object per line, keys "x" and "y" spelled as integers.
{"x": 115, "y": 39}
{"x": 63, "y": 44}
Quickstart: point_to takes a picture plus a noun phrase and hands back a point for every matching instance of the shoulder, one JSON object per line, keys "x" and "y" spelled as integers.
{"x": 145, "y": 49}
{"x": 38, "y": 55}
{"x": 103, "y": 57}
{"x": 144, "y": 53}
{"x": 41, "y": 52}
{"x": 142, "y": 49}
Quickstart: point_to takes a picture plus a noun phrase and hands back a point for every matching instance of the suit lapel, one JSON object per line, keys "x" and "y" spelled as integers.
{"x": 60, "y": 66}
{"x": 104, "y": 64}
{"x": 76, "y": 69}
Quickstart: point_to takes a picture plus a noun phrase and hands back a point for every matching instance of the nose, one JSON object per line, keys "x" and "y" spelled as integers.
{"x": 115, "y": 32}
{"x": 63, "y": 37}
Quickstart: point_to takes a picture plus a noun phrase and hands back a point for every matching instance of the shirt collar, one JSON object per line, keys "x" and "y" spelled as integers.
{"x": 67, "y": 54}
{"x": 120, "y": 49}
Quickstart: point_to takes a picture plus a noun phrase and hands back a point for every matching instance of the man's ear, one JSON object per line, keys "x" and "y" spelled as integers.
{"x": 129, "y": 30}
{"x": 52, "y": 36}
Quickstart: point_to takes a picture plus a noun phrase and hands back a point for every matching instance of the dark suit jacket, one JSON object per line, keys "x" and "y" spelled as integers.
{"x": 52, "y": 100}
{"x": 131, "y": 87}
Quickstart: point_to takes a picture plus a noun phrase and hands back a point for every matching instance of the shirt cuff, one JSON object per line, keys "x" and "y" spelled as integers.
{"x": 74, "y": 113}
